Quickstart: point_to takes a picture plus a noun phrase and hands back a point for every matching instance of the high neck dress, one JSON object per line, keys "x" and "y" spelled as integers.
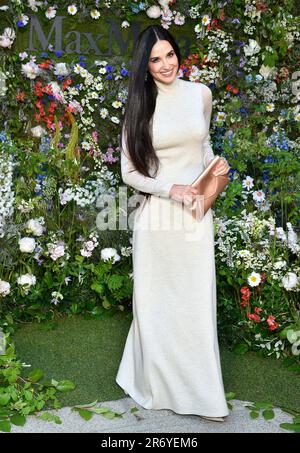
{"x": 171, "y": 356}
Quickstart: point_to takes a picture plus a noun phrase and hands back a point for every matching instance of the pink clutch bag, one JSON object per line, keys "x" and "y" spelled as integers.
{"x": 209, "y": 186}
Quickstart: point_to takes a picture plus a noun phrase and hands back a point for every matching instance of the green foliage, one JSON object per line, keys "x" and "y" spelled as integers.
{"x": 21, "y": 394}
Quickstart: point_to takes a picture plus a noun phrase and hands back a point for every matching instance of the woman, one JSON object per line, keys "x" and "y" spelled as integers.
{"x": 171, "y": 356}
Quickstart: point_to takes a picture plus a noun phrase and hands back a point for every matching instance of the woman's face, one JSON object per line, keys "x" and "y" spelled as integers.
{"x": 163, "y": 62}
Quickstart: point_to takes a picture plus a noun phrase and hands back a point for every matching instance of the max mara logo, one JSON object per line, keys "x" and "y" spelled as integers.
{"x": 106, "y": 37}
{"x": 78, "y": 41}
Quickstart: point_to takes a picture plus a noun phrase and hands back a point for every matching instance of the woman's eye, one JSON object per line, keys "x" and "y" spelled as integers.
{"x": 170, "y": 55}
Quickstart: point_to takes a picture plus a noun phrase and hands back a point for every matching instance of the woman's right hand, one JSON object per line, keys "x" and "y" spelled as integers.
{"x": 183, "y": 193}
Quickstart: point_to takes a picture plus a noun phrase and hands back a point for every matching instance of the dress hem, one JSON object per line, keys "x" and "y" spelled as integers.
{"x": 131, "y": 394}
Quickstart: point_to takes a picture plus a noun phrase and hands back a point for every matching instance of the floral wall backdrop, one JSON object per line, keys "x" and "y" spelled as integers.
{"x": 63, "y": 85}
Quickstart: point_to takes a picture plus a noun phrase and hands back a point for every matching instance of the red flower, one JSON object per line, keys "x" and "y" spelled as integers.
{"x": 21, "y": 96}
{"x": 66, "y": 83}
{"x": 45, "y": 64}
{"x": 271, "y": 322}
{"x": 257, "y": 310}
{"x": 253, "y": 317}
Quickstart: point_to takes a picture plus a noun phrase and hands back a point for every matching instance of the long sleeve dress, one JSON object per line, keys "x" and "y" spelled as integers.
{"x": 171, "y": 355}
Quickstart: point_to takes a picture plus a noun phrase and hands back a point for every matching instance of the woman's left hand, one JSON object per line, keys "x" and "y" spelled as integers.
{"x": 222, "y": 167}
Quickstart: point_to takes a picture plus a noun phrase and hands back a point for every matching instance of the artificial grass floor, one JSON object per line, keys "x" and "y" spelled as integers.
{"x": 88, "y": 352}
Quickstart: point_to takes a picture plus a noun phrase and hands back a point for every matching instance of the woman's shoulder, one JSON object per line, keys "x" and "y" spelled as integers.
{"x": 196, "y": 87}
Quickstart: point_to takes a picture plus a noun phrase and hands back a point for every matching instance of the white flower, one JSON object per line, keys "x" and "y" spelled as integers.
{"x": 4, "y": 8}
{"x": 108, "y": 253}
{"x": 34, "y": 227}
{"x": 114, "y": 119}
{"x": 125, "y": 24}
{"x": 205, "y": 20}
{"x": 8, "y": 37}
{"x": 297, "y": 117}
{"x": 103, "y": 113}
{"x": 56, "y": 297}
{"x": 51, "y": 12}
{"x": 4, "y": 288}
{"x": 72, "y": 9}
{"x": 61, "y": 69}
{"x": 279, "y": 264}
{"x": 270, "y": 107}
{"x": 296, "y": 347}
{"x": 95, "y": 14}
{"x": 56, "y": 90}
{"x": 290, "y": 281}
{"x": 23, "y": 55}
{"x": 37, "y": 131}
{"x": 56, "y": 251}
{"x": 85, "y": 145}
{"x": 254, "y": 279}
{"x": 266, "y": 71}
{"x": 258, "y": 195}
{"x": 153, "y": 12}
{"x": 221, "y": 116}
{"x": 243, "y": 253}
{"x": 24, "y": 19}
{"x": 34, "y": 4}
{"x": 252, "y": 48}
{"x": 27, "y": 244}
{"x": 26, "y": 280}
{"x": 30, "y": 70}
{"x": 117, "y": 104}
{"x": 248, "y": 182}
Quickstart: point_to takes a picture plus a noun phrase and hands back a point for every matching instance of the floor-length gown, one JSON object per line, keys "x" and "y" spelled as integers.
{"x": 171, "y": 355}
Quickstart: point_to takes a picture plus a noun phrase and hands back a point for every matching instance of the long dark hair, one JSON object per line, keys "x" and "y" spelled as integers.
{"x": 141, "y": 101}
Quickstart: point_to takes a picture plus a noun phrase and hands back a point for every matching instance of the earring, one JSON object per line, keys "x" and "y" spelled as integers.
{"x": 146, "y": 76}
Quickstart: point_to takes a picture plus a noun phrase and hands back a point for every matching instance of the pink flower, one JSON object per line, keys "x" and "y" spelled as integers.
{"x": 272, "y": 324}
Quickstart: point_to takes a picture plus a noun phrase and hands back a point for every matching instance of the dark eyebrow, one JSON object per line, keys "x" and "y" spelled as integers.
{"x": 172, "y": 50}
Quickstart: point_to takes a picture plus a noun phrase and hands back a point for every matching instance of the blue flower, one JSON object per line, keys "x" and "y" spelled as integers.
{"x": 58, "y": 53}
{"x": 124, "y": 72}
{"x": 109, "y": 77}
{"x": 20, "y": 23}
{"x": 109, "y": 68}
{"x": 248, "y": 78}
{"x": 44, "y": 55}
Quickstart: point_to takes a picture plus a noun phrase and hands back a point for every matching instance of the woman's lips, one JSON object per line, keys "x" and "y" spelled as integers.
{"x": 167, "y": 73}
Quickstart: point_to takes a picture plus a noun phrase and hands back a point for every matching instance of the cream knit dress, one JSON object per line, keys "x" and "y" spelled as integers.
{"x": 171, "y": 356}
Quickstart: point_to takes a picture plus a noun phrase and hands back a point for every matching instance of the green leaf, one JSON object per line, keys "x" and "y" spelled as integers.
{"x": 291, "y": 427}
{"x": 28, "y": 395}
{"x": 48, "y": 417}
{"x": 268, "y": 414}
{"x": 230, "y": 396}
{"x": 110, "y": 415}
{"x": 98, "y": 288}
{"x": 4, "y": 399}
{"x": 84, "y": 406}
{"x": 263, "y": 405}
{"x": 18, "y": 420}
{"x": 35, "y": 375}
{"x": 134, "y": 409}
{"x": 240, "y": 348}
{"x": 84, "y": 413}
{"x": 254, "y": 414}
{"x": 65, "y": 386}
{"x": 5, "y": 426}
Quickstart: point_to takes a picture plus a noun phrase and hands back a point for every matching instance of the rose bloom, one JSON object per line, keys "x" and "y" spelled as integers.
{"x": 57, "y": 251}
{"x": 254, "y": 317}
{"x": 272, "y": 324}
{"x": 26, "y": 279}
{"x": 34, "y": 227}
{"x": 27, "y": 245}
{"x": 4, "y": 288}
